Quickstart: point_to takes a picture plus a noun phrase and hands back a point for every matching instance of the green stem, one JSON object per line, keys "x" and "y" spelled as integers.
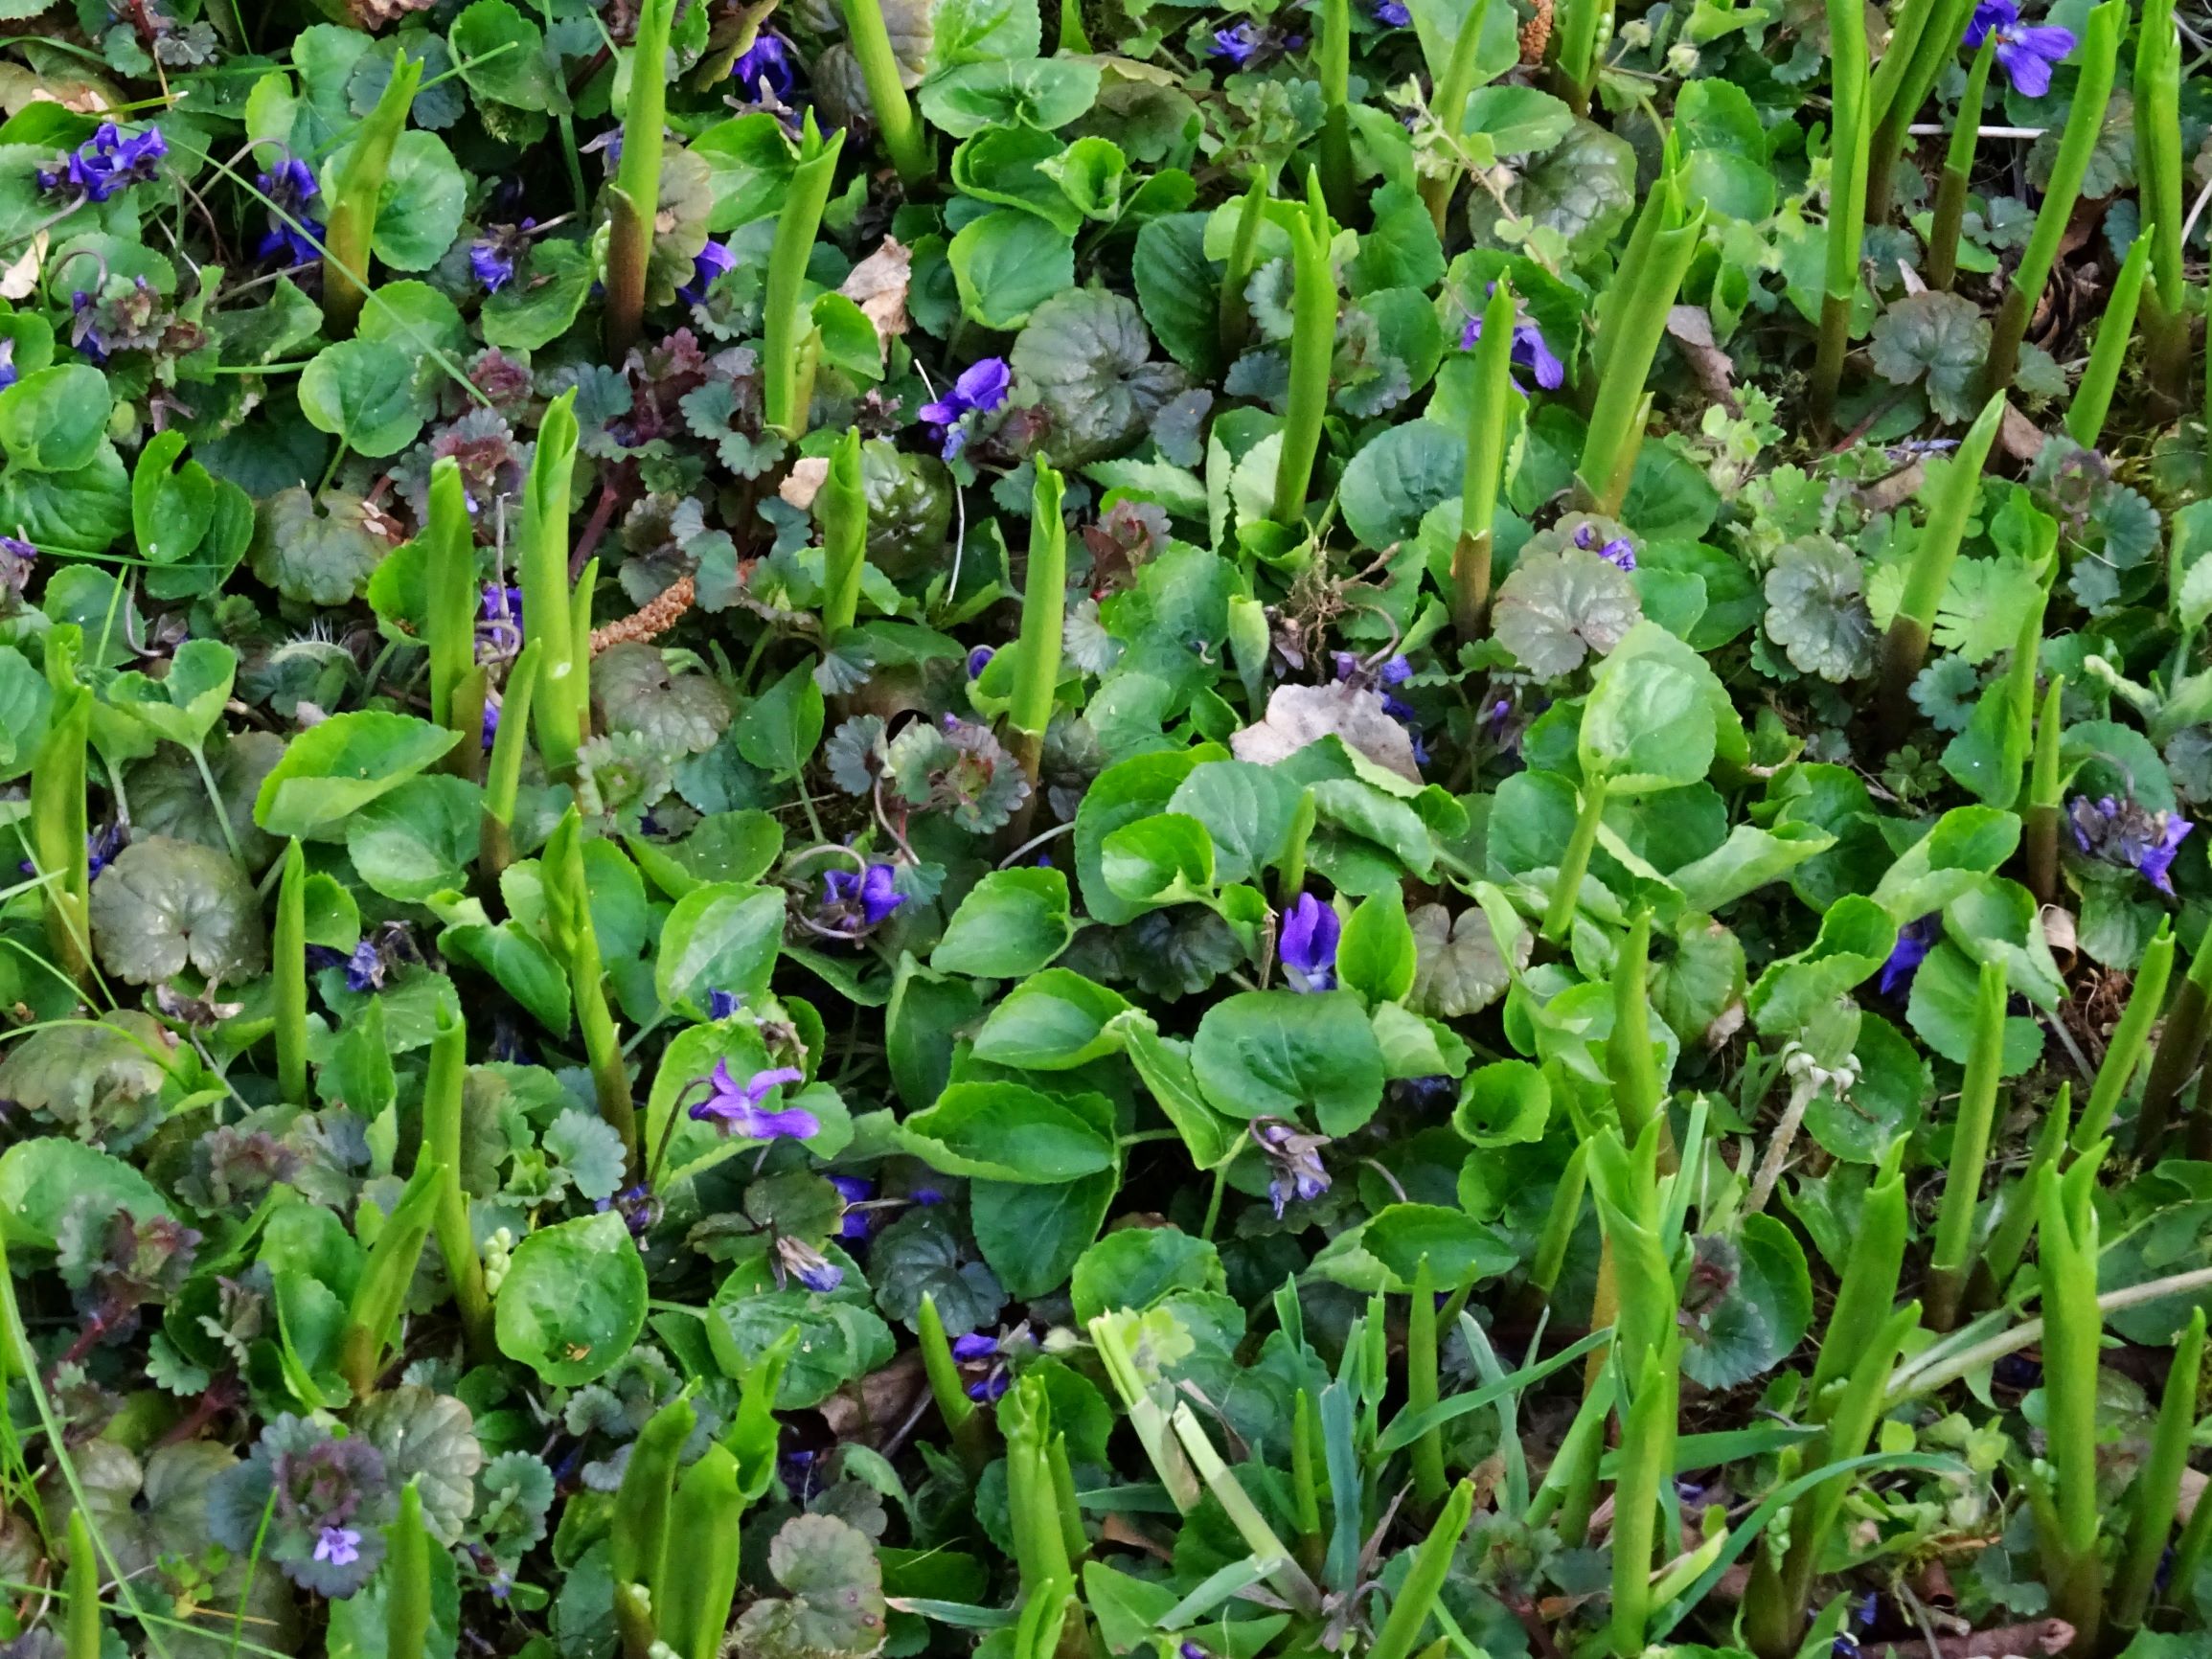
{"x": 1951, "y": 193}
{"x": 288, "y": 977}
{"x": 450, "y": 613}
{"x": 1640, "y": 322}
{"x": 1333, "y": 66}
{"x": 1453, "y": 87}
{"x": 1575, "y": 862}
{"x": 2073, "y": 1335}
{"x": 1431, "y": 1563}
{"x": 1647, "y": 1459}
{"x": 843, "y": 507}
{"x": 961, "y": 1418}
{"x": 503, "y": 771}
{"x": 2146, "y": 1001}
{"x": 692, "y": 1600}
{"x": 568, "y": 901}
{"x": 558, "y": 704}
{"x": 1868, "y": 1290}
{"x": 1306, "y": 1458}
{"x": 81, "y": 1587}
{"x": 2181, "y": 1047}
{"x": 2084, "y": 125}
{"x": 2039, "y": 822}
{"x": 903, "y": 139}
{"x": 1951, "y": 1257}
{"x": 1897, "y": 95}
{"x": 634, "y": 200}
{"x": 407, "y": 1591}
{"x": 1950, "y": 503}
{"x": 358, "y": 197}
{"x": 57, "y": 809}
{"x": 1044, "y": 620}
{"x": 2157, "y": 1489}
{"x": 1313, "y": 349}
{"x": 1485, "y": 468}
{"x": 1576, "y": 39}
{"x": 638, "y": 1536}
{"x": 1559, "y": 1228}
{"x": 2016, "y": 1214}
{"x": 380, "y": 1296}
{"x": 1846, "y": 199}
{"x": 796, "y": 226}
{"x": 2159, "y": 194}
{"x": 1428, "y": 1480}
{"x": 2093, "y": 392}
{"x": 1637, "y": 1094}
{"x": 441, "y": 1111}
{"x": 1235, "y": 310}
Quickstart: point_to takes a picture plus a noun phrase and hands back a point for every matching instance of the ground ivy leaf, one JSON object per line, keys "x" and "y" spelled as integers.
{"x": 1556, "y": 608}
{"x": 1816, "y": 610}
{"x": 164, "y": 905}
{"x": 1939, "y": 337}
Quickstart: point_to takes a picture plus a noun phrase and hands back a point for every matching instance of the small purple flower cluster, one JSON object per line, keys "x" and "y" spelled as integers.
{"x": 1529, "y": 350}
{"x": 735, "y": 1107}
{"x": 106, "y": 162}
{"x": 981, "y": 388}
{"x": 861, "y": 898}
{"x": 493, "y": 258}
{"x": 1619, "y": 552}
{"x": 292, "y": 233}
{"x": 2123, "y": 833}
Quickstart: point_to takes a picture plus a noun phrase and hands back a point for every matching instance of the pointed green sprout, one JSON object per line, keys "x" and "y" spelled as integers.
{"x": 634, "y": 200}
{"x": 1637, "y": 1093}
{"x": 1560, "y": 1223}
{"x": 2039, "y": 822}
{"x": 962, "y": 1420}
{"x": 1922, "y": 42}
{"x": 1484, "y": 470}
{"x": 843, "y": 507}
{"x": 2015, "y": 1219}
{"x": 1575, "y": 49}
{"x": 1235, "y": 310}
{"x": 2073, "y": 1337}
{"x": 2146, "y": 1001}
{"x": 2092, "y": 397}
{"x": 1147, "y": 1412}
{"x": 58, "y": 816}
{"x": 1951, "y": 191}
{"x": 638, "y": 1536}
{"x": 1454, "y": 86}
{"x": 1043, "y": 621}
{"x": 1575, "y": 862}
{"x": 2181, "y": 1047}
{"x": 2159, "y": 195}
{"x": 786, "y": 336}
{"x": 1951, "y": 1260}
{"x": 563, "y": 692}
{"x": 441, "y": 1111}
{"x": 457, "y": 686}
{"x": 1040, "y": 1549}
{"x": 1647, "y": 1463}
{"x": 2157, "y": 1495}
{"x": 380, "y": 1295}
{"x": 81, "y": 1588}
{"x": 1417, "y": 1597}
{"x": 503, "y": 766}
{"x": 568, "y": 914}
{"x": 1848, "y": 142}
{"x": 698, "y": 1582}
{"x": 903, "y": 138}
{"x": 1313, "y": 349}
{"x": 1306, "y": 1456}
{"x": 289, "y": 976}
{"x": 2084, "y": 125}
{"x": 407, "y": 1586}
{"x": 1636, "y": 319}
{"x": 1950, "y": 499}
{"x": 1428, "y": 1480}
{"x": 1333, "y": 66}
{"x": 358, "y": 193}
{"x": 1868, "y": 1291}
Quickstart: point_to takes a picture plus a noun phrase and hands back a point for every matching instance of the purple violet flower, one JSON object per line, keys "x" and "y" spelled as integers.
{"x": 1915, "y": 941}
{"x": 722, "y": 1004}
{"x": 978, "y": 660}
{"x": 1308, "y": 945}
{"x": 714, "y": 260}
{"x": 2126, "y": 834}
{"x": 2027, "y": 52}
{"x": 84, "y": 326}
{"x": 339, "y": 1546}
{"x": 1529, "y": 350}
{"x": 735, "y": 1107}
{"x": 9, "y": 373}
{"x": 1393, "y": 14}
{"x": 763, "y": 71}
{"x": 1237, "y": 44}
{"x": 1619, "y": 552}
{"x": 857, "y": 1223}
{"x": 292, "y": 233}
{"x": 498, "y": 622}
{"x": 107, "y": 162}
{"x": 18, "y": 556}
{"x": 980, "y": 389}
{"x": 1295, "y": 1159}
{"x": 872, "y": 891}
{"x": 808, "y": 1266}
{"x": 490, "y": 731}
{"x": 495, "y": 256}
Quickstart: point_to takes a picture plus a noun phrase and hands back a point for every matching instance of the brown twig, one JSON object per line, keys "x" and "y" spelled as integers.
{"x": 2044, "y": 1636}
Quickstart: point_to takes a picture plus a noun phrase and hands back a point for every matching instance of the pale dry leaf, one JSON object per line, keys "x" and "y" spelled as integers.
{"x": 803, "y": 481}
{"x": 20, "y": 281}
{"x": 1302, "y": 714}
{"x": 1691, "y": 327}
{"x": 2020, "y": 437}
{"x": 877, "y": 285}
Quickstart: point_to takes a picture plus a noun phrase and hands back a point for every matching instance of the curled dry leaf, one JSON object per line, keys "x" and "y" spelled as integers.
{"x": 1302, "y": 714}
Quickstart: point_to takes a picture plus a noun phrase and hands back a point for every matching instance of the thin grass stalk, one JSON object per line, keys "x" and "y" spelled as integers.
{"x": 1950, "y": 503}
{"x": 2157, "y": 1495}
{"x": 844, "y": 511}
{"x": 1235, "y": 310}
{"x": 59, "y": 817}
{"x": 80, "y": 1588}
{"x": 1559, "y": 1228}
{"x": 1448, "y": 104}
{"x": 1637, "y": 1093}
{"x": 1641, "y": 321}
{"x": 1575, "y": 862}
{"x": 2073, "y": 1335}
{"x": 2084, "y": 124}
{"x": 2092, "y": 399}
{"x": 1333, "y": 68}
{"x": 1898, "y": 96}
{"x": 450, "y": 615}
{"x": 1428, "y": 1480}
{"x": 357, "y": 196}
{"x": 1485, "y": 469}
{"x": 289, "y": 976}
{"x": 1847, "y": 148}
{"x": 782, "y": 328}
{"x": 408, "y": 1590}
{"x": 1312, "y": 348}
{"x": 1951, "y": 191}
{"x": 557, "y": 710}
{"x": 2146, "y": 1002}
{"x": 2159, "y": 196}
{"x": 1305, "y": 1482}
{"x": 1951, "y": 1259}
{"x": 503, "y": 767}
{"x": 634, "y": 201}
{"x": 2040, "y": 821}
{"x": 903, "y": 139}
{"x": 568, "y": 906}
{"x": 962, "y": 1421}
{"x": 2017, "y": 1208}
{"x": 1432, "y": 1558}
{"x": 441, "y": 1112}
